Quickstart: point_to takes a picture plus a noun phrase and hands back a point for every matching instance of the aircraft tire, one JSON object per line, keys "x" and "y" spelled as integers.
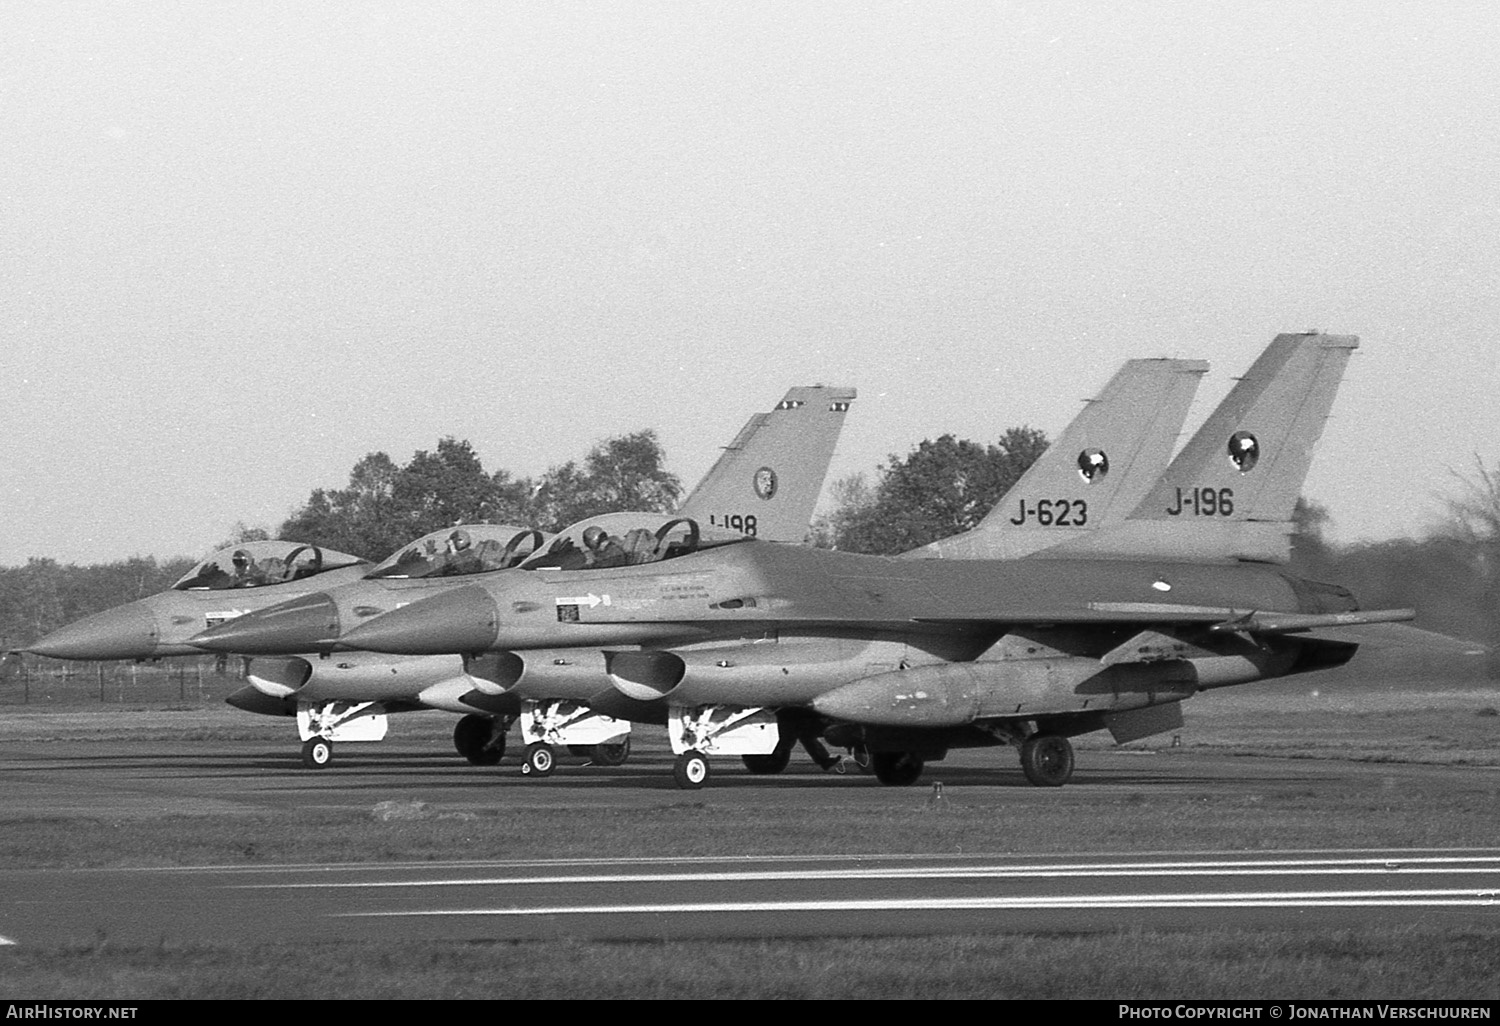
{"x": 690, "y": 770}
{"x": 540, "y": 761}
{"x": 317, "y": 752}
{"x": 610, "y": 755}
{"x": 766, "y": 765}
{"x": 476, "y": 739}
{"x": 1047, "y": 759}
{"x": 896, "y": 769}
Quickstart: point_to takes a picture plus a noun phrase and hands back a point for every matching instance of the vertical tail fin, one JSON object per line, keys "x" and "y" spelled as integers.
{"x": 767, "y": 481}
{"x": 1095, "y": 473}
{"x": 1231, "y": 491}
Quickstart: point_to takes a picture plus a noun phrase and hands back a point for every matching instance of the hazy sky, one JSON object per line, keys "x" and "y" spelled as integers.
{"x": 244, "y": 244}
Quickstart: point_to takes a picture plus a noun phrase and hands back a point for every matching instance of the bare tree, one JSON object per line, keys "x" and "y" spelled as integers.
{"x": 1474, "y": 522}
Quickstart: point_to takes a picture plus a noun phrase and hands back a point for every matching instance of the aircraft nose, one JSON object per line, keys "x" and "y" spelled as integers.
{"x": 462, "y": 620}
{"x": 125, "y": 632}
{"x": 305, "y": 624}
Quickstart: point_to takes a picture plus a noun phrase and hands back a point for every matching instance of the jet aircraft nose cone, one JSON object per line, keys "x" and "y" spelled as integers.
{"x": 305, "y": 624}
{"x": 462, "y": 620}
{"x": 125, "y": 632}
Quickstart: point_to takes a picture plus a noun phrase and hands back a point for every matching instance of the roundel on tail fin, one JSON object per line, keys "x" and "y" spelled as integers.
{"x": 1244, "y": 451}
{"x": 1093, "y": 464}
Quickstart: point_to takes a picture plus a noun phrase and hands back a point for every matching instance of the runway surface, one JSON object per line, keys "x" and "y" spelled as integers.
{"x": 118, "y": 779}
{"x": 649, "y": 899}
{"x": 95, "y": 783}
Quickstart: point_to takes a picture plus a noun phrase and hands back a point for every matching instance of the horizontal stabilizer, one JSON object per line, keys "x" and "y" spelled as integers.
{"x": 1396, "y": 635}
{"x": 1298, "y": 623}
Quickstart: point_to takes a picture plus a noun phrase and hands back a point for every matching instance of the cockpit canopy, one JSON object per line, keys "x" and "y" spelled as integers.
{"x": 259, "y": 563}
{"x": 627, "y": 539}
{"x": 459, "y": 551}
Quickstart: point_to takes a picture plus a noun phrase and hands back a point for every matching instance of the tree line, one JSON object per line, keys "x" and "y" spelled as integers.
{"x": 941, "y": 488}
{"x": 385, "y": 506}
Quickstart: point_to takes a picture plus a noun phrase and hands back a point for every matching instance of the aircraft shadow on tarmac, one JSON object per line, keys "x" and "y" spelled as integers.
{"x": 389, "y": 772}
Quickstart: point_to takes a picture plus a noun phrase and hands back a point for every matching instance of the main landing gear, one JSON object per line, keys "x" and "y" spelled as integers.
{"x": 768, "y": 764}
{"x": 1047, "y": 759}
{"x": 481, "y": 739}
{"x": 608, "y": 754}
{"x": 896, "y": 769}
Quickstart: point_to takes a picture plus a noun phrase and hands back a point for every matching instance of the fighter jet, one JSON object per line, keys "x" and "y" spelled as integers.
{"x": 728, "y": 639}
{"x": 764, "y": 485}
{"x": 226, "y": 584}
{"x": 1136, "y": 418}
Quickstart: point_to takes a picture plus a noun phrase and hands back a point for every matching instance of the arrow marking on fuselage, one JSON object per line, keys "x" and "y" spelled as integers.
{"x": 591, "y": 600}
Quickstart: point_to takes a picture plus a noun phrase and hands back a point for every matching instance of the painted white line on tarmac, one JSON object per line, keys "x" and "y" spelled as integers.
{"x": 1332, "y": 855}
{"x": 1327, "y": 899}
{"x": 1304, "y": 867}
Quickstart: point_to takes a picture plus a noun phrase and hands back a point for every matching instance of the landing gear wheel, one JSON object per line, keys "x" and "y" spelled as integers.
{"x": 690, "y": 770}
{"x": 479, "y": 739}
{"x": 317, "y": 752}
{"x": 896, "y": 769}
{"x": 611, "y": 755}
{"x": 1047, "y": 759}
{"x": 539, "y": 760}
{"x": 768, "y": 764}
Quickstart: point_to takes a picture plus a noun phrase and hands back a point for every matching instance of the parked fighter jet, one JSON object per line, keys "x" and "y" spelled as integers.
{"x": 228, "y": 583}
{"x": 1136, "y": 418}
{"x": 764, "y": 485}
{"x": 728, "y": 639}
